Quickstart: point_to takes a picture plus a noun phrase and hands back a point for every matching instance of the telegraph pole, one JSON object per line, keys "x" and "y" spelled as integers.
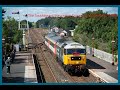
{"x": 19, "y": 23}
{"x": 27, "y": 25}
{"x": 113, "y": 51}
{"x": 113, "y": 41}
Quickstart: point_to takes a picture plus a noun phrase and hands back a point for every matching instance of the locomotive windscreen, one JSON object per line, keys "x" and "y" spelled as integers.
{"x": 75, "y": 51}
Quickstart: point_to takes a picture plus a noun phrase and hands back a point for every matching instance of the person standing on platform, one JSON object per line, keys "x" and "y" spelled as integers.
{"x": 12, "y": 56}
{"x": 7, "y": 63}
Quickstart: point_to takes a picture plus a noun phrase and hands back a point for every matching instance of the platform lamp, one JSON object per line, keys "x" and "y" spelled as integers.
{"x": 93, "y": 42}
{"x": 113, "y": 51}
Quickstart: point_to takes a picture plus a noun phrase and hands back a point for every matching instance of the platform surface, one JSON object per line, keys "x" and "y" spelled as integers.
{"x": 102, "y": 69}
{"x": 22, "y": 70}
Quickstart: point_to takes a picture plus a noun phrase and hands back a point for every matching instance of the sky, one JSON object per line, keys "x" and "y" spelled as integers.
{"x": 36, "y": 13}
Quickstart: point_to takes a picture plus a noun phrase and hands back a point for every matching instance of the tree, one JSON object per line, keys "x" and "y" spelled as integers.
{"x": 101, "y": 26}
{"x": 10, "y": 29}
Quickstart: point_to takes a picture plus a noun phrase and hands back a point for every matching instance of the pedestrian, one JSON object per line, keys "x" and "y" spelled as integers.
{"x": 7, "y": 63}
{"x": 14, "y": 49}
{"x": 12, "y": 56}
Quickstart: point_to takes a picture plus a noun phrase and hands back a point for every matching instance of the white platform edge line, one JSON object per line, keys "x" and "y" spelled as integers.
{"x": 27, "y": 73}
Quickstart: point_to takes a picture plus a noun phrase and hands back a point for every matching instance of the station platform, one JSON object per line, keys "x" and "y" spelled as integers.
{"x": 102, "y": 69}
{"x": 22, "y": 70}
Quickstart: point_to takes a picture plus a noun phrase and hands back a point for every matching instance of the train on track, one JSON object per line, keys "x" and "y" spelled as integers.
{"x": 71, "y": 54}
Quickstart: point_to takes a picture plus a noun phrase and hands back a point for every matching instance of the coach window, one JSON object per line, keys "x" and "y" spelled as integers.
{"x": 52, "y": 44}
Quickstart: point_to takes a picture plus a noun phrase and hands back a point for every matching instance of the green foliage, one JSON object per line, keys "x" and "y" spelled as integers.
{"x": 76, "y": 38}
{"x": 102, "y": 27}
{"x": 8, "y": 48}
{"x": 10, "y": 31}
{"x": 24, "y": 22}
{"x": 17, "y": 37}
{"x": 7, "y": 45}
{"x": 98, "y": 24}
{"x": 66, "y": 23}
{"x": 115, "y": 58}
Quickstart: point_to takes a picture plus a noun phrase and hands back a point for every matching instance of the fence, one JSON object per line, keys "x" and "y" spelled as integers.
{"x": 100, "y": 54}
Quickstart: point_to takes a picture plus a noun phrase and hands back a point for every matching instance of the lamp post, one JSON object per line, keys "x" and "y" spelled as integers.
{"x": 113, "y": 52}
{"x": 3, "y": 51}
{"x": 93, "y": 47}
{"x": 19, "y": 21}
{"x": 3, "y": 46}
{"x": 3, "y": 40}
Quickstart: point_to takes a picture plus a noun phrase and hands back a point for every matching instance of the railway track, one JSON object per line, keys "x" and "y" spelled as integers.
{"x": 40, "y": 76}
{"x": 42, "y": 60}
{"x": 52, "y": 70}
{"x": 51, "y": 66}
{"x": 61, "y": 75}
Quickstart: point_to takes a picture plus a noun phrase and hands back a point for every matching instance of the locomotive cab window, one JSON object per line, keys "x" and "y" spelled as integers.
{"x": 77, "y": 51}
{"x": 65, "y": 51}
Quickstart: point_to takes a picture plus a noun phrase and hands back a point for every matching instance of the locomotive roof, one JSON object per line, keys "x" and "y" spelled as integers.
{"x": 71, "y": 45}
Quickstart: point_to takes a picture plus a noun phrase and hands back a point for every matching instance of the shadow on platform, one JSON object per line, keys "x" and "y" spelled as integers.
{"x": 20, "y": 60}
{"x": 92, "y": 65}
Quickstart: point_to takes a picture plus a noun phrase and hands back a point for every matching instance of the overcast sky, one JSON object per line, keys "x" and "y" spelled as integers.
{"x": 34, "y": 13}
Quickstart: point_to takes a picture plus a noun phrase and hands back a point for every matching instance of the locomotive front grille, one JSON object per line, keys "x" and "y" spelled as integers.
{"x": 75, "y": 58}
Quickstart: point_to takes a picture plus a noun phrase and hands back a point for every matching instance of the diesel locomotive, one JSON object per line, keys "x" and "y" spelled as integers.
{"x": 71, "y": 54}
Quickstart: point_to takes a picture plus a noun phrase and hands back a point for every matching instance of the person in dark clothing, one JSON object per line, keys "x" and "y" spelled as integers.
{"x": 12, "y": 56}
{"x": 3, "y": 62}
